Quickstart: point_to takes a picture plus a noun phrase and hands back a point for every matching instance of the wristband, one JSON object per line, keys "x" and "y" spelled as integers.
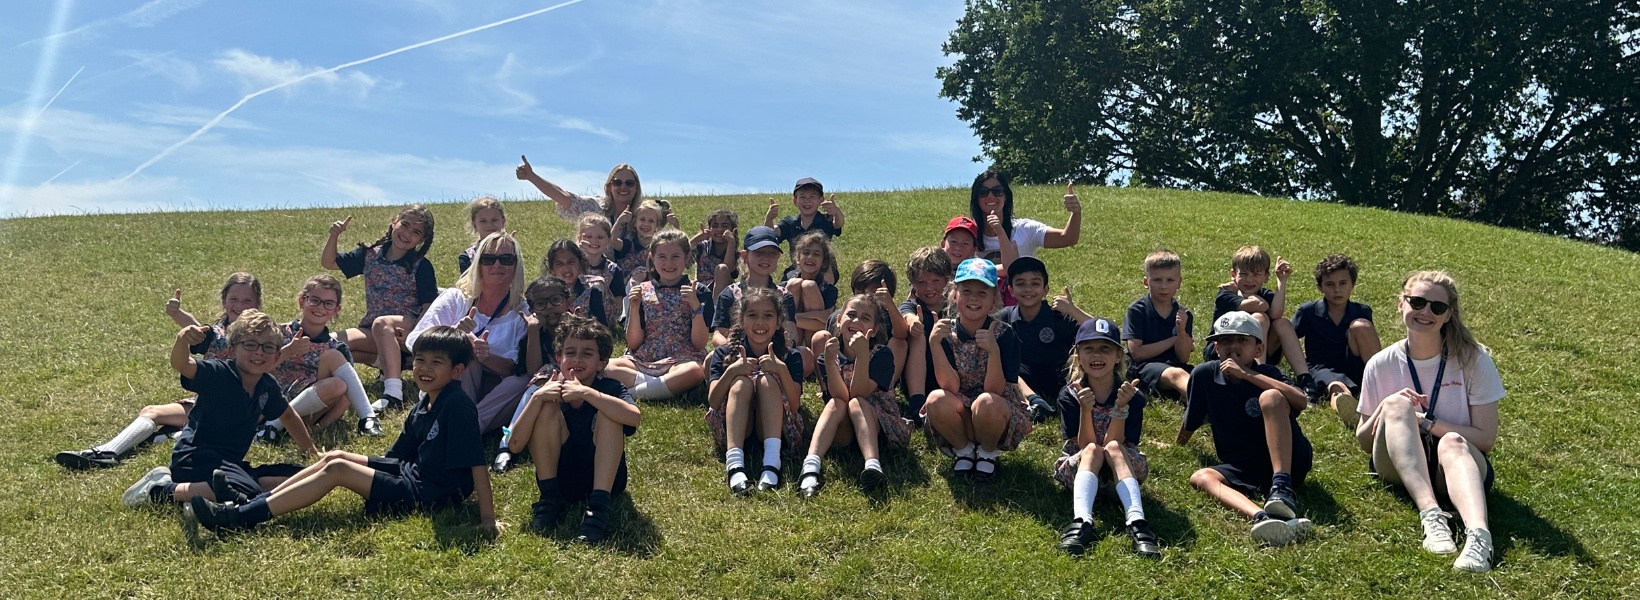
{"x": 1427, "y": 426}
{"x": 1120, "y": 413}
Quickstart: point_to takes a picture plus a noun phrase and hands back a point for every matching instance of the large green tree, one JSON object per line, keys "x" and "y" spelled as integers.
{"x": 1512, "y": 112}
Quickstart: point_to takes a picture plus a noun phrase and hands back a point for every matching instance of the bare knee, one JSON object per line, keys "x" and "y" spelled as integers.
{"x": 1452, "y": 447}
{"x": 152, "y": 413}
{"x": 1271, "y": 402}
{"x": 989, "y": 403}
{"x": 942, "y": 401}
{"x": 1203, "y": 478}
{"x": 1362, "y": 326}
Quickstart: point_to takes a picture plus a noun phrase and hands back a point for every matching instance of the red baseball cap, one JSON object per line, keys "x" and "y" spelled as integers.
{"x": 963, "y": 223}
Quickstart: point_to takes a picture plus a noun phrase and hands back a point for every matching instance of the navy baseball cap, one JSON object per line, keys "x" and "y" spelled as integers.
{"x": 1098, "y": 328}
{"x": 809, "y": 181}
{"x": 761, "y": 237}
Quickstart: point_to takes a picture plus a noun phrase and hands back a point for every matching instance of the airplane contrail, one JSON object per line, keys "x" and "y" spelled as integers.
{"x": 65, "y": 170}
{"x": 47, "y": 105}
{"x": 224, "y": 114}
{"x": 25, "y": 129}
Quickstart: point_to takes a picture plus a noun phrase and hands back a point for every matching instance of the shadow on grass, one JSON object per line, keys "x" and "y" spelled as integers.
{"x": 1512, "y": 520}
{"x": 904, "y": 472}
{"x": 632, "y": 532}
{"x": 1319, "y": 506}
{"x": 1171, "y": 527}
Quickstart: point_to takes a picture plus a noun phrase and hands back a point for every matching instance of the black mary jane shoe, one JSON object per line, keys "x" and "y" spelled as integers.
{"x": 765, "y": 487}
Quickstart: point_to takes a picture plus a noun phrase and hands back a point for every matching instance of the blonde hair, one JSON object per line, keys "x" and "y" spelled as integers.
{"x": 1162, "y": 258}
{"x": 468, "y": 283}
{"x": 483, "y": 203}
{"x": 1249, "y": 259}
{"x": 951, "y": 301}
{"x": 1073, "y": 368}
{"x": 1458, "y": 342}
{"x": 609, "y": 190}
{"x": 593, "y": 220}
{"x": 669, "y": 235}
{"x": 252, "y": 324}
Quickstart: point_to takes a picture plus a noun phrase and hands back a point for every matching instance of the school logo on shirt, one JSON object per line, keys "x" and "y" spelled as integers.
{"x": 433, "y": 431}
{"x": 1046, "y": 335}
{"x": 1252, "y": 408}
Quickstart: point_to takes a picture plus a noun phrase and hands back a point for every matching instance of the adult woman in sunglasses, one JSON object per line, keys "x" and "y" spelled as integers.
{"x": 991, "y": 205}
{"x": 486, "y": 303}
{"x": 1430, "y": 416}
{"x": 622, "y": 190}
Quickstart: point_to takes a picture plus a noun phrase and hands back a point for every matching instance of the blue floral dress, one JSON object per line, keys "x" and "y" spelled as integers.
{"x": 667, "y": 327}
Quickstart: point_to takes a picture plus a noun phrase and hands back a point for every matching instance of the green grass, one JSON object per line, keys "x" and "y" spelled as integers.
{"x": 86, "y": 339}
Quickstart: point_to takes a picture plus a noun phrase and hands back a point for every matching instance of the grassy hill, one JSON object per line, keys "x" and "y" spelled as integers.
{"x": 85, "y": 343}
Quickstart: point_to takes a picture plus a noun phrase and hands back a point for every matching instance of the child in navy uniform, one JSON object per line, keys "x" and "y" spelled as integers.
{"x": 569, "y": 264}
{"x": 858, "y": 386}
{"x": 755, "y": 382}
{"x": 1254, "y": 414}
{"x": 234, "y": 396}
{"x": 1044, "y": 335}
{"x": 575, "y": 425}
{"x": 1249, "y": 271}
{"x": 1102, "y": 418}
{"x": 760, "y": 253}
{"x": 485, "y": 216}
{"x": 437, "y": 461}
{"x": 929, "y": 270}
{"x": 815, "y": 212}
{"x": 592, "y": 236}
{"x": 1158, "y": 329}
{"x": 717, "y": 251}
{"x": 399, "y": 285}
{"x": 1338, "y": 336}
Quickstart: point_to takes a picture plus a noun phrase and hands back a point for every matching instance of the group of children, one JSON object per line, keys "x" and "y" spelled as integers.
{"x": 978, "y": 349}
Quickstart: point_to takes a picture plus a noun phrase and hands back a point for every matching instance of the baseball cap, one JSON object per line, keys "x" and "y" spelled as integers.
{"x": 1097, "y": 329}
{"x": 962, "y": 223}
{"x": 1236, "y": 323}
{"x": 1027, "y": 264}
{"x": 761, "y": 237}
{"x": 808, "y": 181}
{"x": 977, "y": 269}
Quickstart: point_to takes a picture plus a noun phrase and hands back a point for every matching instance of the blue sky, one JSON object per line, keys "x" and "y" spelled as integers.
{"x": 701, "y": 97}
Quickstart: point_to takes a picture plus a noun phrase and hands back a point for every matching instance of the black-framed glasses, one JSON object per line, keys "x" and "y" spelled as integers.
{"x": 624, "y": 182}
{"x": 993, "y": 191}
{"x": 265, "y": 348}
{"x": 553, "y": 300}
{"x": 317, "y": 303}
{"x": 1419, "y": 302}
{"x": 506, "y": 260}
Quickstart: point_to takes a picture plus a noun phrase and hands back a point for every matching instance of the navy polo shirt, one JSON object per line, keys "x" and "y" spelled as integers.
{"x": 1231, "y": 407}
{"x": 723, "y": 317}
{"x": 718, "y": 361}
{"x": 791, "y": 227}
{"x": 1044, "y": 345}
{"x": 1007, "y": 342}
{"x": 1326, "y": 343}
{"x": 440, "y": 444}
{"x": 595, "y": 302}
{"x": 1143, "y": 323}
{"x": 580, "y": 419}
{"x": 613, "y": 275}
{"x": 549, "y": 355}
{"x": 351, "y": 264}
{"x": 224, "y": 417}
{"x": 1070, "y": 413}
{"x": 880, "y": 369}
{"x": 1227, "y": 301}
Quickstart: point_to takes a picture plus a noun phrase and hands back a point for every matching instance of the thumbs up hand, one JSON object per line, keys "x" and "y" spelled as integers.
{"x": 481, "y": 346}
{"x": 774, "y": 211}
{"x": 524, "y": 171}
{"x": 1072, "y": 204}
{"x": 192, "y": 334}
{"x": 173, "y": 306}
{"x": 337, "y": 228}
{"x": 467, "y": 324}
{"x": 1062, "y": 304}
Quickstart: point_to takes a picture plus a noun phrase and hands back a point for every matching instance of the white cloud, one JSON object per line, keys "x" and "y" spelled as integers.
{"x": 587, "y": 126}
{"x": 164, "y": 64}
{"x": 515, "y": 101}
{"x": 258, "y": 72}
{"x": 91, "y": 197}
{"x": 184, "y": 116}
{"x": 149, "y": 14}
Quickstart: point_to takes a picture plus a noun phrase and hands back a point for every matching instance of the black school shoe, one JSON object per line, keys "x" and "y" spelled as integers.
{"x": 1077, "y": 537}
{"x": 1306, "y": 383}
{"x": 872, "y": 479}
{"x": 225, "y": 493}
{"x": 546, "y": 513}
{"x": 215, "y": 516}
{"x": 764, "y": 486}
{"x": 1281, "y": 502}
{"x": 1144, "y": 542}
{"x": 744, "y": 488}
{"x": 387, "y": 402}
{"x": 83, "y": 460}
{"x": 595, "y": 525}
{"x": 370, "y": 426}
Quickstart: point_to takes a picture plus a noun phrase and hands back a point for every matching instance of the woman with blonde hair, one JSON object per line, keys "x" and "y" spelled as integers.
{"x": 1429, "y": 407}
{"x": 486, "y": 304}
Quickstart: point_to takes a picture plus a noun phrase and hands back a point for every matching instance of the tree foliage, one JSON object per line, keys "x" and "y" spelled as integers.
{"x": 1516, "y": 113}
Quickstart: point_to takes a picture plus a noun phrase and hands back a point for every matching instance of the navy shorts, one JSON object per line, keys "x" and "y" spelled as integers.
{"x": 196, "y": 467}
{"x": 575, "y": 473}
{"x": 396, "y": 488}
{"x": 1150, "y": 376}
{"x": 1350, "y": 378}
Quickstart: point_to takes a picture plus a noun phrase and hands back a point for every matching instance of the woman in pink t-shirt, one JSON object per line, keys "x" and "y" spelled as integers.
{"x": 1430, "y": 416}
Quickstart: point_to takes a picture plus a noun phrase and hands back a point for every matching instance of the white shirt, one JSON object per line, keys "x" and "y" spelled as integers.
{"x": 1028, "y": 236}
{"x": 1386, "y": 374}
{"x": 452, "y": 305}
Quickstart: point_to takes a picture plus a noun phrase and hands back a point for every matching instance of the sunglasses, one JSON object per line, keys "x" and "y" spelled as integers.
{"x": 250, "y": 346}
{"x": 1418, "y": 303}
{"x": 623, "y": 182}
{"x": 993, "y": 191}
{"x": 317, "y": 303}
{"x": 506, "y": 260}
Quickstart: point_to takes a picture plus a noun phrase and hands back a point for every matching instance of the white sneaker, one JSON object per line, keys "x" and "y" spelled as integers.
{"x": 1477, "y": 552}
{"x": 1346, "y": 404}
{"x": 1301, "y": 527}
{"x": 140, "y": 493}
{"x": 1275, "y": 532}
{"x": 1437, "y": 531}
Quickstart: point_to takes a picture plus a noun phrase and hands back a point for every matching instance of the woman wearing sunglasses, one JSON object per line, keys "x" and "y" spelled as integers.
{"x": 486, "y": 303}
{"x": 1430, "y": 416}
{"x": 991, "y": 205}
{"x": 622, "y": 190}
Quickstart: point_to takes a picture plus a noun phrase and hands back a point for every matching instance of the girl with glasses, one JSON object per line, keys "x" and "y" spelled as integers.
{"x": 399, "y": 284}
{"x": 315, "y": 368}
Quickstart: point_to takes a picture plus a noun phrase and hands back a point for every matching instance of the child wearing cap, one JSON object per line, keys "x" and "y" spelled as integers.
{"x": 1338, "y": 336}
{"x": 929, "y": 271}
{"x": 815, "y": 212}
{"x": 760, "y": 255}
{"x": 1044, "y": 335}
{"x": 1249, "y": 271}
{"x": 1101, "y": 425}
{"x": 1157, "y": 329}
{"x": 1254, "y": 414}
{"x": 977, "y": 412}
{"x": 961, "y": 242}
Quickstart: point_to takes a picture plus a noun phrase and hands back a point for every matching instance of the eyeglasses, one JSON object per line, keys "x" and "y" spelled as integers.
{"x": 624, "y": 182}
{"x": 1419, "y": 302}
{"x": 993, "y": 191}
{"x": 506, "y": 260}
{"x": 553, "y": 300}
{"x": 317, "y": 303}
{"x": 250, "y": 346}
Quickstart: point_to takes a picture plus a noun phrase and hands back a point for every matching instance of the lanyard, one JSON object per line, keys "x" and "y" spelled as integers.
{"x": 1418, "y": 386}
{"x": 503, "y": 306}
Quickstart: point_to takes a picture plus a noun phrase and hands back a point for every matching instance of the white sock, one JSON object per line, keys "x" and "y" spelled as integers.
{"x": 307, "y": 403}
{"x": 1128, "y": 491}
{"x": 872, "y": 463}
{"x": 735, "y": 458}
{"x": 810, "y": 465}
{"x": 139, "y": 429}
{"x": 506, "y": 432}
{"x": 276, "y": 424}
{"x": 967, "y": 451}
{"x": 650, "y": 387}
{"x": 771, "y": 458}
{"x": 991, "y": 466}
{"x": 393, "y": 386}
{"x": 1083, "y": 490}
{"x": 355, "y": 390}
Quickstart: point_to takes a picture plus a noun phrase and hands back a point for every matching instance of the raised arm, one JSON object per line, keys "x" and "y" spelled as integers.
{"x": 181, "y": 359}
{"x": 525, "y": 172}
{"x": 327, "y": 257}
{"x": 173, "y": 309}
{"x": 1072, "y": 233}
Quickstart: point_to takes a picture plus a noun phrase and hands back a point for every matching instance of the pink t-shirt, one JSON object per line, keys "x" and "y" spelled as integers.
{"x": 1386, "y": 374}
